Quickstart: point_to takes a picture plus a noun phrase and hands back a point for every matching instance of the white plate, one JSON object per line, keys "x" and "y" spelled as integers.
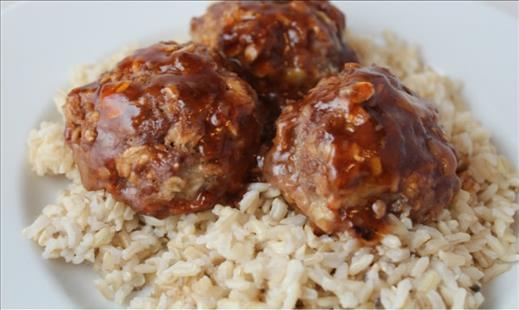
{"x": 42, "y": 42}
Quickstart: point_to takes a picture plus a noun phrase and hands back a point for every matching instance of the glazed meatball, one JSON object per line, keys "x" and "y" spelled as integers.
{"x": 361, "y": 145}
{"x": 169, "y": 130}
{"x": 283, "y": 48}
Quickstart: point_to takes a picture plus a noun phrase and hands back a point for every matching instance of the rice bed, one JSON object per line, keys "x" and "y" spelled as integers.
{"x": 263, "y": 254}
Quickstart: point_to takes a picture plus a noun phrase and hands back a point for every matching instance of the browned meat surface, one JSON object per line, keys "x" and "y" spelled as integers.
{"x": 169, "y": 130}
{"x": 361, "y": 145}
{"x": 283, "y": 48}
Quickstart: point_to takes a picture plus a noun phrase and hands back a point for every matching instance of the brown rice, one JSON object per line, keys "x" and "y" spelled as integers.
{"x": 262, "y": 254}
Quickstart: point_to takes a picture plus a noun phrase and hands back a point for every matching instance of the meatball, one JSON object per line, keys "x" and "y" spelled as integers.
{"x": 361, "y": 145}
{"x": 282, "y": 48}
{"x": 169, "y": 130}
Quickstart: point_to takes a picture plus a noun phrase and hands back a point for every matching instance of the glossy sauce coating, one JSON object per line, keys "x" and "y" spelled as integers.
{"x": 361, "y": 145}
{"x": 282, "y": 48}
{"x": 169, "y": 130}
